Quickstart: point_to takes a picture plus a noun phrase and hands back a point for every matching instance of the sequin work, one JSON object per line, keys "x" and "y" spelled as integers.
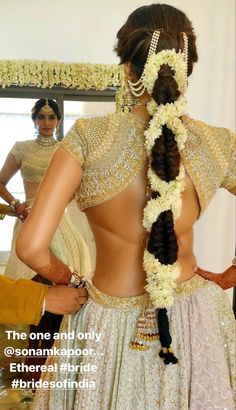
{"x": 111, "y": 151}
{"x": 32, "y": 158}
{"x": 209, "y": 158}
{"x": 113, "y": 302}
{"x": 132, "y": 379}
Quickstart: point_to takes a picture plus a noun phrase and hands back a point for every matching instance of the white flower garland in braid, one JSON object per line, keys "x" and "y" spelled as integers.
{"x": 160, "y": 277}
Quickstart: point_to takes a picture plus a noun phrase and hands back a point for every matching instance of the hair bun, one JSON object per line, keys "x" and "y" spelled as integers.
{"x": 166, "y": 71}
{"x": 165, "y": 89}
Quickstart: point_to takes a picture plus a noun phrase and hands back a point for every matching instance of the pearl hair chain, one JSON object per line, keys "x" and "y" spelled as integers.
{"x": 137, "y": 88}
{"x": 185, "y": 38}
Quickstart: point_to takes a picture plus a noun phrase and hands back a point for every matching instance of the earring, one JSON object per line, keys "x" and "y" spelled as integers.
{"x": 57, "y": 134}
{"x": 128, "y": 99}
{"x": 36, "y": 130}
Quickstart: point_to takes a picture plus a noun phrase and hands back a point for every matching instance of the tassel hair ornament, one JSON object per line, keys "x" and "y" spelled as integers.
{"x": 166, "y": 353}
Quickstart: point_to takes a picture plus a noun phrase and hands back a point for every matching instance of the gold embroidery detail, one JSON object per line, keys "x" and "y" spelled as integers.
{"x": 190, "y": 286}
{"x": 145, "y": 331}
{"x": 208, "y": 157}
{"x": 111, "y": 151}
{"x": 32, "y": 158}
{"x": 74, "y": 141}
{"x": 114, "y": 302}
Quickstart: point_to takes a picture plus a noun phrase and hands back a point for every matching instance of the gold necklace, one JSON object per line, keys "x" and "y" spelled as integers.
{"x": 45, "y": 141}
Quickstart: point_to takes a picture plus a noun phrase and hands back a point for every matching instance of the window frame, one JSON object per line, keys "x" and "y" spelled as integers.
{"x": 59, "y": 94}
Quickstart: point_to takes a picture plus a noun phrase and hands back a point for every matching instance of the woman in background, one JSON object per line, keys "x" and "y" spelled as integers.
{"x": 32, "y": 157}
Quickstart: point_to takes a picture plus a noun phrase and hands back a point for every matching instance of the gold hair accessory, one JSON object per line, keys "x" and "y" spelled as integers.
{"x": 46, "y": 109}
{"x": 185, "y": 51}
{"x": 177, "y": 61}
{"x": 138, "y": 88}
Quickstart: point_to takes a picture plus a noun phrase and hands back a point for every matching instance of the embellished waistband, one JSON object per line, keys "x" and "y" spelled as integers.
{"x": 129, "y": 303}
{"x": 191, "y": 285}
{"x": 114, "y": 302}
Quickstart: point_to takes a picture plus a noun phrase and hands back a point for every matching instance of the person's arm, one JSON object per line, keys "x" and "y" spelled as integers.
{"x": 21, "y": 301}
{"x": 225, "y": 280}
{"x": 9, "y": 169}
{"x": 61, "y": 180}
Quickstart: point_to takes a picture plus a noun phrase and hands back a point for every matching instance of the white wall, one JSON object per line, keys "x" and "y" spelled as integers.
{"x": 85, "y": 30}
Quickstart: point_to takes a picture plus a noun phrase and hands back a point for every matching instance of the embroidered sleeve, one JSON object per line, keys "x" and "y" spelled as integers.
{"x": 229, "y": 181}
{"x": 17, "y": 152}
{"x": 75, "y": 143}
{"x": 115, "y": 155}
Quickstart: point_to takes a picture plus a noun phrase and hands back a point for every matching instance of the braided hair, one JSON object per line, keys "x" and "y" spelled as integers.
{"x": 134, "y": 40}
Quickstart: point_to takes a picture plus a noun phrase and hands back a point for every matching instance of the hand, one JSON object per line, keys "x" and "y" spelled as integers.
{"x": 6, "y": 210}
{"x": 21, "y": 210}
{"x": 225, "y": 280}
{"x": 64, "y": 300}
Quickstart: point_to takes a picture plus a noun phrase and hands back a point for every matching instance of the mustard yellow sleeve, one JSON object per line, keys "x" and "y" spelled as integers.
{"x": 21, "y": 301}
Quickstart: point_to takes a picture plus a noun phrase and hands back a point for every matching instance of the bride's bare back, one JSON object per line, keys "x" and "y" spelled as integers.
{"x": 116, "y": 223}
{"x": 120, "y": 238}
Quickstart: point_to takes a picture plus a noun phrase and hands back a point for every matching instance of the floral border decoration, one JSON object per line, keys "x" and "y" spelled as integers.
{"x": 49, "y": 74}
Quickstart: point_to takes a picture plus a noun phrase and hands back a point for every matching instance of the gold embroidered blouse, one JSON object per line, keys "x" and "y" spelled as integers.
{"x": 111, "y": 151}
{"x": 32, "y": 158}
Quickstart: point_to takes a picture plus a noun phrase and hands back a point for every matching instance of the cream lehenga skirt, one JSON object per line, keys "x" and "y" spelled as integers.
{"x": 130, "y": 374}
